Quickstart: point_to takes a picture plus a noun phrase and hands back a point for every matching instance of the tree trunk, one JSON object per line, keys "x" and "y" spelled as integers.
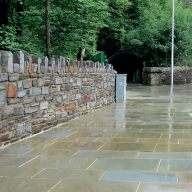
{"x": 82, "y": 54}
{"x": 48, "y": 45}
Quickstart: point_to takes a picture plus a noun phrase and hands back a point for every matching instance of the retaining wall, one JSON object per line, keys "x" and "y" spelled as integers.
{"x": 36, "y": 95}
{"x": 162, "y": 75}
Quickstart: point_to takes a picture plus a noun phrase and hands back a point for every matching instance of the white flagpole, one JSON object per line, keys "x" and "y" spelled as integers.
{"x": 172, "y": 52}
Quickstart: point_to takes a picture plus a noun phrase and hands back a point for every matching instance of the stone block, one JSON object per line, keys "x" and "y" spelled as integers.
{"x": 24, "y": 127}
{"x": 3, "y": 77}
{"x": 28, "y": 100}
{"x": 49, "y": 77}
{"x": 18, "y": 111}
{"x": 86, "y": 99}
{"x": 30, "y": 110}
{"x": 16, "y": 67}
{"x": 48, "y": 83}
{"x": 58, "y": 115}
{"x": 12, "y": 91}
{"x": 45, "y": 91}
{"x": 49, "y": 98}
{"x": 3, "y": 86}
{"x": 13, "y": 101}
{"x": 22, "y": 93}
{"x": 34, "y": 83}
{"x": 7, "y": 136}
{"x": 7, "y": 59}
{"x": 65, "y": 80}
{"x": 34, "y": 104}
{"x": 27, "y": 84}
{"x": 71, "y": 79}
{"x": 79, "y": 82}
{"x": 39, "y": 98}
{"x": 64, "y": 97}
{"x": 40, "y": 82}
{"x": 44, "y": 105}
{"x": 73, "y": 98}
{"x": 59, "y": 99}
{"x": 63, "y": 114}
{"x": 68, "y": 87}
{"x": 70, "y": 106}
{"x": 19, "y": 84}
{"x": 58, "y": 81}
{"x": 88, "y": 106}
{"x": 18, "y": 57}
{"x": 23, "y": 77}
{"x": 35, "y": 91}
{"x": 78, "y": 96}
{"x": 81, "y": 90}
{"x": 8, "y": 112}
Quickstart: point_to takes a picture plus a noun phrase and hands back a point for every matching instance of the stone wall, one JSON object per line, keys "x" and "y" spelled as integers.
{"x": 162, "y": 75}
{"x": 36, "y": 95}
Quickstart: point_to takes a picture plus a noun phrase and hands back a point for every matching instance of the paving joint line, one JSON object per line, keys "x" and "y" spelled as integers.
{"x": 137, "y": 140}
{"x": 102, "y": 175}
{"x": 137, "y": 154}
{"x": 101, "y": 146}
{"x": 54, "y": 186}
{"x": 92, "y": 163}
{"x": 159, "y": 165}
{"x": 38, "y": 173}
{"x": 96, "y": 139}
{"x": 138, "y": 186}
{"x": 27, "y": 152}
{"x": 49, "y": 145}
{"x": 155, "y": 148}
{"x": 75, "y": 153}
{"x": 115, "y": 135}
{"x": 29, "y": 161}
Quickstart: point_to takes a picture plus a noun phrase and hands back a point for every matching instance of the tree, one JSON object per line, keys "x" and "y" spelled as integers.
{"x": 47, "y": 13}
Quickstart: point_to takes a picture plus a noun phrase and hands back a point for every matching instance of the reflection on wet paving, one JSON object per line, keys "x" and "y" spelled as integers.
{"x": 143, "y": 145}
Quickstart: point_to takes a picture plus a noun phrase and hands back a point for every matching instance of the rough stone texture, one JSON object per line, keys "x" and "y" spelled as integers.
{"x": 35, "y": 91}
{"x": 14, "y": 101}
{"x": 12, "y": 91}
{"x": 43, "y": 105}
{"x": 2, "y": 98}
{"x": 162, "y": 75}
{"x": 18, "y": 111}
{"x": 27, "y": 84}
{"x": 7, "y": 59}
{"x": 8, "y": 112}
{"x": 31, "y": 109}
{"x": 3, "y": 77}
{"x": 45, "y": 94}
{"x": 13, "y": 77}
{"x": 45, "y": 91}
{"x": 22, "y": 93}
{"x": 18, "y": 57}
{"x": 70, "y": 106}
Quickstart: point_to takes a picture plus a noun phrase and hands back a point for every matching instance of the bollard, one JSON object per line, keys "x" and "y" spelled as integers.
{"x": 121, "y": 83}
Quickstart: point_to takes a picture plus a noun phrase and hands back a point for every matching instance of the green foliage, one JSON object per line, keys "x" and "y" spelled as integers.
{"x": 140, "y": 27}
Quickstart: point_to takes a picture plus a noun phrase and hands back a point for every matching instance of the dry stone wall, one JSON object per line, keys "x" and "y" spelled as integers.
{"x": 36, "y": 95}
{"x": 162, "y": 75}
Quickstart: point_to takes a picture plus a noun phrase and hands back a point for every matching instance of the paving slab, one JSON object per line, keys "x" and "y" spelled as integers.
{"x": 142, "y": 145}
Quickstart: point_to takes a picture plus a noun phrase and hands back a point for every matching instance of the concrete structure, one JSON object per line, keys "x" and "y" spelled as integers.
{"x": 121, "y": 84}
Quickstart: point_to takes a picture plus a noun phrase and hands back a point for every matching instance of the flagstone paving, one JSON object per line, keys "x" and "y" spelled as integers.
{"x": 143, "y": 145}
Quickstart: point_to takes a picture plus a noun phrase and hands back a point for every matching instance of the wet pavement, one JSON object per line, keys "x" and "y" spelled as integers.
{"x": 143, "y": 145}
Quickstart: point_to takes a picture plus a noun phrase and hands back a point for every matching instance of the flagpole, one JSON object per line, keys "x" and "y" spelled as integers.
{"x": 172, "y": 52}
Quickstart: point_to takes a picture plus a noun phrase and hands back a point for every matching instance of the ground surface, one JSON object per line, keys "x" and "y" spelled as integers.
{"x": 143, "y": 145}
